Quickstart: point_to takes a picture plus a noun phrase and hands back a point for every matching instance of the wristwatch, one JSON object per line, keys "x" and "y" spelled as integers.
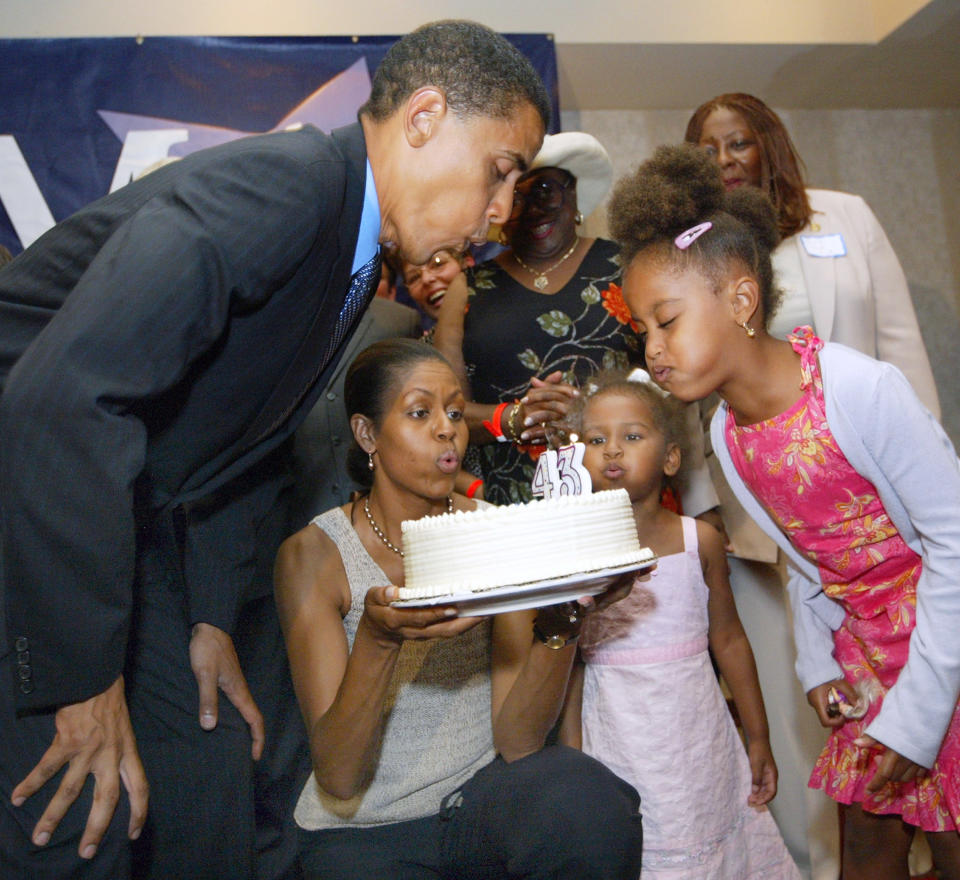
{"x": 556, "y": 641}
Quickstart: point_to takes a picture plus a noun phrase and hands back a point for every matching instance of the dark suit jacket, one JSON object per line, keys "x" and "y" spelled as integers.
{"x": 155, "y": 348}
{"x": 321, "y": 443}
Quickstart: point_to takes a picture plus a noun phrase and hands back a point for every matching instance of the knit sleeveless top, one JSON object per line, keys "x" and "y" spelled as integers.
{"x": 437, "y": 728}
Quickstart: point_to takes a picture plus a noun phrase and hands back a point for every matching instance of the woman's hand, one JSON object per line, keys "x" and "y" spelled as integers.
{"x": 893, "y": 766}
{"x": 395, "y": 625}
{"x": 618, "y": 588}
{"x": 763, "y": 772}
{"x": 827, "y": 710}
{"x": 546, "y": 403}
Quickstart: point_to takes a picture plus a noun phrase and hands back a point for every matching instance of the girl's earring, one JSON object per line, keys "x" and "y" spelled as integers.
{"x": 747, "y": 328}
{"x": 370, "y": 463}
{"x": 502, "y": 238}
{"x": 578, "y": 218}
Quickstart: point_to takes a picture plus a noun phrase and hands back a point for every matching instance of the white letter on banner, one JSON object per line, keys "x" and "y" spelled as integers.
{"x": 20, "y": 194}
{"x": 141, "y": 149}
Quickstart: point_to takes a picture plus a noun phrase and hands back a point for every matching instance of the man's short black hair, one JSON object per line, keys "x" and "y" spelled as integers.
{"x": 480, "y": 72}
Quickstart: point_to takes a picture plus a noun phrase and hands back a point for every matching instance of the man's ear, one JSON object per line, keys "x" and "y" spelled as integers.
{"x": 671, "y": 460}
{"x": 423, "y": 112}
{"x": 363, "y": 432}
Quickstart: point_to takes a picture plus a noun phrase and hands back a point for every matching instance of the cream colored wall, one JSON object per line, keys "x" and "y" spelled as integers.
{"x": 901, "y": 161}
{"x": 606, "y": 21}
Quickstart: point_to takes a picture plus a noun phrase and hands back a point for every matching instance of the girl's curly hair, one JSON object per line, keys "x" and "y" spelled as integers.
{"x": 679, "y": 187}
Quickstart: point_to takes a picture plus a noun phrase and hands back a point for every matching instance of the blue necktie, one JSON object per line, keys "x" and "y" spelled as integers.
{"x": 362, "y": 285}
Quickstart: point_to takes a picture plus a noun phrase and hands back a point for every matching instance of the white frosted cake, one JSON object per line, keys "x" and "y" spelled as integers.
{"x": 469, "y": 552}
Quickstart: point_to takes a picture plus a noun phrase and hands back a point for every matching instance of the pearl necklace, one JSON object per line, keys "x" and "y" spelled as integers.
{"x": 379, "y": 533}
{"x": 540, "y": 280}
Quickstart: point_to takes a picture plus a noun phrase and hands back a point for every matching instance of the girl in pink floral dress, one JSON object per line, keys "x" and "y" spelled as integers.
{"x": 835, "y": 457}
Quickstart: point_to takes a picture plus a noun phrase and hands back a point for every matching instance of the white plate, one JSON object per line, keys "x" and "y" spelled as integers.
{"x": 515, "y": 597}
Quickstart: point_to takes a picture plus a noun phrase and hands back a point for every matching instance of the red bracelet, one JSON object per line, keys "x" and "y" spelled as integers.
{"x": 472, "y": 488}
{"x": 494, "y": 426}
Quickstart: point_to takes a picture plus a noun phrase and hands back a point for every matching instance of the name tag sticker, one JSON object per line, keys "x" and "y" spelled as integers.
{"x": 824, "y": 245}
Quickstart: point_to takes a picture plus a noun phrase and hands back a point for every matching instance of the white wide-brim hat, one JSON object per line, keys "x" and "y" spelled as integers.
{"x": 585, "y": 158}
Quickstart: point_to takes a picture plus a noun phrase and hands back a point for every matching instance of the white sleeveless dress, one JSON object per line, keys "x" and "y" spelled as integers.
{"x": 653, "y": 712}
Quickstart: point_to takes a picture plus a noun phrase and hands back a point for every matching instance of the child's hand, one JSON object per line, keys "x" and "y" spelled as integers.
{"x": 827, "y": 710}
{"x": 893, "y": 766}
{"x": 763, "y": 771}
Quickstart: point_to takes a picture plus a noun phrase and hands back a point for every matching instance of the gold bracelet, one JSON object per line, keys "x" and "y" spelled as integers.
{"x": 512, "y": 422}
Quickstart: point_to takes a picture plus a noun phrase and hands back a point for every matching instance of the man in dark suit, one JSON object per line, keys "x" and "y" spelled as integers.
{"x": 156, "y": 350}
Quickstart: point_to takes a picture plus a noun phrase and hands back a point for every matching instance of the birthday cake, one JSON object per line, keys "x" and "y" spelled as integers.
{"x": 473, "y": 551}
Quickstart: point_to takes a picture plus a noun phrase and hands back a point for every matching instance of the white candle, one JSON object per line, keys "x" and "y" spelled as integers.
{"x": 561, "y": 472}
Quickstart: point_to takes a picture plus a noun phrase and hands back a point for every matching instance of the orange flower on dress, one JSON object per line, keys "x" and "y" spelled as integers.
{"x": 532, "y": 450}
{"x": 614, "y": 303}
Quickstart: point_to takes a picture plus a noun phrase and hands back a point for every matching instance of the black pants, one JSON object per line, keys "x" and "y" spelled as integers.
{"x": 556, "y": 814}
{"x": 24, "y": 742}
{"x": 214, "y": 813}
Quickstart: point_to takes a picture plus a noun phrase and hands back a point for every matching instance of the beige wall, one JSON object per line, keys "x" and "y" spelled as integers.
{"x": 603, "y": 21}
{"x": 901, "y": 161}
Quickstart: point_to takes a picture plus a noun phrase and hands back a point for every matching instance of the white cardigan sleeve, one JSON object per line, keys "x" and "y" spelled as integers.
{"x": 892, "y": 440}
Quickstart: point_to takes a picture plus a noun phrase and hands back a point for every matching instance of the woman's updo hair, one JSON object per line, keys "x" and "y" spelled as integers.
{"x": 677, "y": 189}
{"x": 372, "y": 380}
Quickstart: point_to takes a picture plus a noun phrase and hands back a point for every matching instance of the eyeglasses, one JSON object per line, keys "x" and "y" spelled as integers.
{"x": 544, "y": 192}
{"x": 440, "y": 259}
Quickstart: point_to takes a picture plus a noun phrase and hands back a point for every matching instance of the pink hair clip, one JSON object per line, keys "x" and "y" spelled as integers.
{"x": 688, "y": 237}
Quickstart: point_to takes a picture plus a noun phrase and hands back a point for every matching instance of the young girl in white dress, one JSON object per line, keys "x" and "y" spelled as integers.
{"x": 645, "y": 700}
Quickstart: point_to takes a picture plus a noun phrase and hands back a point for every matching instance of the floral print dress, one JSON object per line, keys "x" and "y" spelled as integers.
{"x": 835, "y": 517}
{"x": 512, "y": 333}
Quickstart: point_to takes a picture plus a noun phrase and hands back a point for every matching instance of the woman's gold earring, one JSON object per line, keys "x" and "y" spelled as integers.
{"x": 748, "y": 329}
{"x": 578, "y": 218}
{"x": 370, "y": 463}
{"x": 502, "y": 238}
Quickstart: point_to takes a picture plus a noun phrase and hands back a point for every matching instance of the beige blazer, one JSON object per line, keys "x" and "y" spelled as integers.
{"x": 859, "y": 299}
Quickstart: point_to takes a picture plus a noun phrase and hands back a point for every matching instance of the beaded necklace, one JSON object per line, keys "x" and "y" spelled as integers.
{"x": 379, "y": 532}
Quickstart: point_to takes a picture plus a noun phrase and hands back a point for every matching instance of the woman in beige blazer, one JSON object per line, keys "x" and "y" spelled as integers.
{"x": 839, "y": 274}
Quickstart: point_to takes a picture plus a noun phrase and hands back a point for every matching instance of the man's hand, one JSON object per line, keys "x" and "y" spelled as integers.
{"x": 92, "y": 737}
{"x": 215, "y": 664}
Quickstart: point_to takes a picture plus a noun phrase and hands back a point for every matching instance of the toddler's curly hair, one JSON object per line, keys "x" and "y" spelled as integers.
{"x": 669, "y": 414}
{"x": 679, "y": 187}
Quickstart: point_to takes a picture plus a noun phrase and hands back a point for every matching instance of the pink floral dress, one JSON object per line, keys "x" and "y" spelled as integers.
{"x": 835, "y": 517}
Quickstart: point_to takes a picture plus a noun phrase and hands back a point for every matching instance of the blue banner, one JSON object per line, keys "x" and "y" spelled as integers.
{"x": 80, "y": 117}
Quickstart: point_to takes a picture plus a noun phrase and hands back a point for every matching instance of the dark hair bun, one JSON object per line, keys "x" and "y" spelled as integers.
{"x": 752, "y": 208}
{"x": 671, "y": 190}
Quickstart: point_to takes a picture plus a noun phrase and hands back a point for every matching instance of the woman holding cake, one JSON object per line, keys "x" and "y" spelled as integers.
{"x": 426, "y": 730}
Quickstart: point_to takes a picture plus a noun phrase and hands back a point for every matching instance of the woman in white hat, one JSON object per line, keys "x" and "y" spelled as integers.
{"x": 541, "y": 316}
